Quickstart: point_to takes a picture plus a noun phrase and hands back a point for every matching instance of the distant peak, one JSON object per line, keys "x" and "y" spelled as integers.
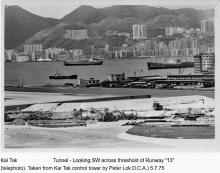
{"x": 13, "y": 6}
{"x": 85, "y": 6}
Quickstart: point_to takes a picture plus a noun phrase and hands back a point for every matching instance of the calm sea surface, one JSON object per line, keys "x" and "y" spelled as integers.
{"x": 37, "y": 73}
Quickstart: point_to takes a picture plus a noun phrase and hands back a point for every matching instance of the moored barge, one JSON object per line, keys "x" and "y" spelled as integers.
{"x": 152, "y": 65}
{"x": 83, "y": 62}
{"x": 63, "y": 76}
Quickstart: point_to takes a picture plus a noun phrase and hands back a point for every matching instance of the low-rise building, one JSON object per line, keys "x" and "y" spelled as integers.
{"x": 204, "y": 63}
{"x": 10, "y": 55}
{"x": 169, "y": 31}
{"x": 76, "y": 52}
{"x": 88, "y": 83}
{"x": 116, "y": 77}
{"x": 22, "y": 58}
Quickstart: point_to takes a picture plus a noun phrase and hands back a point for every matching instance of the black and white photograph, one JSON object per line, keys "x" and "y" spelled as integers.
{"x": 109, "y": 75}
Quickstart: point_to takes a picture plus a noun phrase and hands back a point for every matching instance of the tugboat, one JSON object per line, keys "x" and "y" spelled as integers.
{"x": 62, "y": 76}
{"x": 91, "y": 61}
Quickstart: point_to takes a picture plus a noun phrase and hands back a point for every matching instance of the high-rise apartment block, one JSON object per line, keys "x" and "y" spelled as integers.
{"x": 30, "y": 48}
{"x": 76, "y": 34}
{"x": 207, "y": 26}
{"x": 139, "y": 32}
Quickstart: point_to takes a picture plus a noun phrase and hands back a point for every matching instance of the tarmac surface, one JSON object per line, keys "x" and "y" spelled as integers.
{"x": 98, "y": 137}
{"x": 101, "y": 135}
{"x": 17, "y": 98}
{"x": 39, "y": 95}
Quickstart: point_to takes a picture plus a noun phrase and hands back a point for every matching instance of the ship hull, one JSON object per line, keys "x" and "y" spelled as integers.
{"x": 63, "y": 77}
{"x": 166, "y": 66}
{"x": 77, "y": 63}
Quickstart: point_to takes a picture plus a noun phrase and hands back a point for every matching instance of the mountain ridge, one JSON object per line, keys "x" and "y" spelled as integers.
{"x": 97, "y": 21}
{"x": 20, "y": 24}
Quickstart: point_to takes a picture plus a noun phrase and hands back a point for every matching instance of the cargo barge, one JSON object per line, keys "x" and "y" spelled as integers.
{"x": 62, "y": 76}
{"x": 152, "y": 65}
{"x": 83, "y": 62}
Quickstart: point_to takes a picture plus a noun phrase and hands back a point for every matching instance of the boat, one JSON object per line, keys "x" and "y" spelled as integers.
{"x": 152, "y": 65}
{"x": 170, "y": 63}
{"x": 142, "y": 57}
{"x": 91, "y": 61}
{"x": 44, "y": 60}
{"x": 63, "y": 76}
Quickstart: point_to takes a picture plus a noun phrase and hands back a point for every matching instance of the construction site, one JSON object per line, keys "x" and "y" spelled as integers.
{"x": 108, "y": 122}
{"x": 181, "y": 110}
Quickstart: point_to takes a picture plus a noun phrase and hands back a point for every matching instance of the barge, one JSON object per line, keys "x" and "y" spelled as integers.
{"x": 152, "y": 65}
{"x": 63, "y": 76}
{"x": 83, "y": 62}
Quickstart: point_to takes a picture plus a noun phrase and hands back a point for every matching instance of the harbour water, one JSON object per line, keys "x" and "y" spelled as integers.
{"x": 37, "y": 73}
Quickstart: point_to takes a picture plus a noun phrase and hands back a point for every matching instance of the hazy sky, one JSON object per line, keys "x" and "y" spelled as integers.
{"x": 59, "y": 8}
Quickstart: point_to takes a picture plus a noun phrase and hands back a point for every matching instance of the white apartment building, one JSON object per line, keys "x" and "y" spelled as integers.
{"x": 76, "y": 34}
{"x": 139, "y": 32}
{"x": 207, "y": 26}
{"x": 54, "y": 50}
{"x": 29, "y": 48}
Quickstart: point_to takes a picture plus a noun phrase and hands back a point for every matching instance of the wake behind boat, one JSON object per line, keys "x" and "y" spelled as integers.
{"x": 91, "y": 61}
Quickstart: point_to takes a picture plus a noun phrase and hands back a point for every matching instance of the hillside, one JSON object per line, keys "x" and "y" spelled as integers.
{"x": 83, "y": 14}
{"x": 88, "y": 14}
{"x": 21, "y": 24}
{"x": 97, "y": 21}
